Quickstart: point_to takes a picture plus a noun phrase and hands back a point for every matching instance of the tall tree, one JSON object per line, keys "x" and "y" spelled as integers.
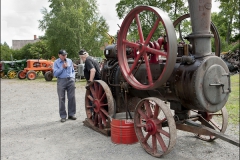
{"x": 72, "y": 25}
{"x": 230, "y": 12}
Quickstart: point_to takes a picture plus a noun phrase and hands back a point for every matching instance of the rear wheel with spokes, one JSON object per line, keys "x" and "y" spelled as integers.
{"x": 99, "y": 104}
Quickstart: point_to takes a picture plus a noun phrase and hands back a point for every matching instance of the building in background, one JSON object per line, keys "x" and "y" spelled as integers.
{"x": 18, "y": 44}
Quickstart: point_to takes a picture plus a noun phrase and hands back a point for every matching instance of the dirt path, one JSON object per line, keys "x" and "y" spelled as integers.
{"x": 31, "y": 129}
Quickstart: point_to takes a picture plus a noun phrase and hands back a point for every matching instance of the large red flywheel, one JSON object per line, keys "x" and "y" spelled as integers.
{"x": 161, "y": 25}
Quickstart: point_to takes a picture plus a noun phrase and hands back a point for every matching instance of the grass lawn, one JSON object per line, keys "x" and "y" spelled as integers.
{"x": 233, "y": 100}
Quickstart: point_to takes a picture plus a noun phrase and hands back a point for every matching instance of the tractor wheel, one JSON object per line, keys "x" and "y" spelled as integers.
{"x": 155, "y": 126}
{"x": 213, "y": 29}
{"x": 31, "y": 75}
{"x": 48, "y": 76}
{"x": 2, "y": 74}
{"x": 21, "y": 74}
{"x": 99, "y": 105}
{"x": 160, "y": 23}
{"x": 11, "y": 74}
{"x": 217, "y": 121}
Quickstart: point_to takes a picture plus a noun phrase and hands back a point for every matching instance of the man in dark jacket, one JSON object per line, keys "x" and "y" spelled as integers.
{"x": 91, "y": 68}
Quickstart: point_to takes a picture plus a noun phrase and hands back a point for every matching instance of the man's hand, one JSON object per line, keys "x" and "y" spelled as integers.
{"x": 65, "y": 64}
{"x": 88, "y": 82}
{"x": 88, "y": 85}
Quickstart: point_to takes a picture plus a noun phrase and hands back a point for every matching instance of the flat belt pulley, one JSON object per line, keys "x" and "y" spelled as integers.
{"x": 160, "y": 22}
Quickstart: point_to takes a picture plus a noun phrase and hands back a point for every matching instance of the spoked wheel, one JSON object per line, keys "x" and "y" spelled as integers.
{"x": 213, "y": 29}
{"x": 31, "y": 75}
{"x": 147, "y": 31}
{"x": 21, "y": 74}
{"x": 154, "y": 126}
{"x": 218, "y": 121}
{"x": 11, "y": 74}
{"x": 99, "y": 104}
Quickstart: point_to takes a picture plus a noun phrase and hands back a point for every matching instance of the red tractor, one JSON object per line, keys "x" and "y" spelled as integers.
{"x": 37, "y": 65}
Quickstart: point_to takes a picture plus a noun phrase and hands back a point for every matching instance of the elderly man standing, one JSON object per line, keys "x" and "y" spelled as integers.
{"x": 64, "y": 71}
{"x": 91, "y": 68}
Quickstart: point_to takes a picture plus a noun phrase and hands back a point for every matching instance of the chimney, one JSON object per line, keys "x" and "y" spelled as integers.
{"x": 35, "y": 37}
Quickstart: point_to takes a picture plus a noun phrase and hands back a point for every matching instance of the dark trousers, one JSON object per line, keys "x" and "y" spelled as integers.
{"x": 66, "y": 85}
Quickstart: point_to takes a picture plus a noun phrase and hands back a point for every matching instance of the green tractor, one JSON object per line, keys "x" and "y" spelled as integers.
{"x": 11, "y": 68}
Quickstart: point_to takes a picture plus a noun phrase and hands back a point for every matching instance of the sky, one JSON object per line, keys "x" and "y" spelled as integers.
{"x": 19, "y": 18}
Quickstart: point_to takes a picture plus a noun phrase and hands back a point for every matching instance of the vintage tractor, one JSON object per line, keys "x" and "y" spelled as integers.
{"x": 166, "y": 84}
{"x": 11, "y": 68}
{"x": 37, "y": 65}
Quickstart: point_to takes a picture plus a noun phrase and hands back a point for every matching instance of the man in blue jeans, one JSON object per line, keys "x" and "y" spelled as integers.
{"x": 64, "y": 71}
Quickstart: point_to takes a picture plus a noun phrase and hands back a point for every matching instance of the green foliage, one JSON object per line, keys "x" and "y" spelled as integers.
{"x": 235, "y": 46}
{"x": 6, "y": 52}
{"x": 229, "y": 18}
{"x": 233, "y": 101}
{"x": 72, "y": 25}
{"x": 174, "y": 9}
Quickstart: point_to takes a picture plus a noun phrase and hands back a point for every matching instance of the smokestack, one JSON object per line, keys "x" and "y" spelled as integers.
{"x": 35, "y": 37}
{"x": 200, "y": 13}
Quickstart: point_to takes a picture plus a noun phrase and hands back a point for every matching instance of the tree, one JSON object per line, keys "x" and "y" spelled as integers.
{"x": 72, "y": 25}
{"x": 174, "y": 9}
{"x": 6, "y": 52}
{"x": 230, "y": 12}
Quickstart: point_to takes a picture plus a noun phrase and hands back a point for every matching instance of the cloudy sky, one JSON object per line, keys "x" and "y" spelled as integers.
{"x": 19, "y": 18}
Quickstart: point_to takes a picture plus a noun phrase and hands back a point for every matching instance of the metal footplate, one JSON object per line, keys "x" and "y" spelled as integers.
{"x": 193, "y": 127}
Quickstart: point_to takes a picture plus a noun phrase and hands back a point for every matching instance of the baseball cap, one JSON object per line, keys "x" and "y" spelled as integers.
{"x": 62, "y": 52}
{"x": 82, "y": 52}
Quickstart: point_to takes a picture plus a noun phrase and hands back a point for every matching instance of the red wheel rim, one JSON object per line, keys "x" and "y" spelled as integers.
{"x": 22, "y": 75}
{"x": 99, "y": 104}
{"x": 143, "y": 48}
{"x": 155, "y": 126}
{"x": 31, "y": 76}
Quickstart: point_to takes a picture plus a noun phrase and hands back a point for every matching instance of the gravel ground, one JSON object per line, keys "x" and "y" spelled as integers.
{"x": 31, "y": 129}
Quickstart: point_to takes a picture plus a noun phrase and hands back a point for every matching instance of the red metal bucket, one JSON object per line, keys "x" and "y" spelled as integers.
{"x": 122, "y": 130}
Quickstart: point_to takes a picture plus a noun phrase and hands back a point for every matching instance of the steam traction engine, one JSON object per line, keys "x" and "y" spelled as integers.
{"x": 166, "y": 85}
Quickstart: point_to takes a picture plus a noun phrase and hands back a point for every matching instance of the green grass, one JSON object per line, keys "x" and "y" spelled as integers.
{"x": 233, "y": 101}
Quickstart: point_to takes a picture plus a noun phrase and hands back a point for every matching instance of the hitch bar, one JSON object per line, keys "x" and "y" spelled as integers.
{"x": 193, "y": 127}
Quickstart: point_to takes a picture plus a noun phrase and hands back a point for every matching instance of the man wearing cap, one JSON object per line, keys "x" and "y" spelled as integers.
{"x": 64, "y": 71}
{"x": 91, "y": 67}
